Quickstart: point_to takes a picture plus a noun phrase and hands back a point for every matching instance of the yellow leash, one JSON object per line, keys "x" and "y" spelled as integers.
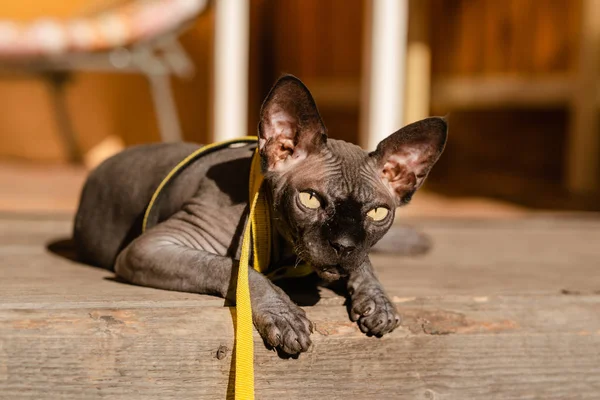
{"x": 256, "y": 240}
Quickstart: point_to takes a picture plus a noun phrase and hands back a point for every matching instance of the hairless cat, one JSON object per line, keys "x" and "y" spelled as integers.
{"x": 331, "y": 201}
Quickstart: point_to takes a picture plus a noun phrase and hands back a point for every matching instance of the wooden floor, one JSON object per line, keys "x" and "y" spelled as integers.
{"x": 500, "y": 309}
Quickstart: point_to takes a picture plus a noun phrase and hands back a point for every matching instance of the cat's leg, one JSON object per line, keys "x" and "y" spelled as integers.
{"x": 370, "y": 307}
{"x": 163, "y": 259}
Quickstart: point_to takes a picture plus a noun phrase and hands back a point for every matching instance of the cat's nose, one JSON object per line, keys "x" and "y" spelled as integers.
{"x": 343, "y": 246}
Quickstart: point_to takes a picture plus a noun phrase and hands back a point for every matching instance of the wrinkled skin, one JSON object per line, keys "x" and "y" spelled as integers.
{"x": 331, "y": 202}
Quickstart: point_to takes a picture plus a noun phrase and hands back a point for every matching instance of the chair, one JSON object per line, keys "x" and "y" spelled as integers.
{"x": 137, "y": 37}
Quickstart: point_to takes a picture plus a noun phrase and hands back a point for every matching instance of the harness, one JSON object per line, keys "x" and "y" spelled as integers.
{"x": 256, "y": 242}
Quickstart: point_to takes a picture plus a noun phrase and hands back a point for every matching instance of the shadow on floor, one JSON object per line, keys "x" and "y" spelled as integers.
{"x": 64, "y": 248}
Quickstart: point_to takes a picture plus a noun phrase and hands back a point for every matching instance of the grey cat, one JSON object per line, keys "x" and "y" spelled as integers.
{"x": 331, "y": 202}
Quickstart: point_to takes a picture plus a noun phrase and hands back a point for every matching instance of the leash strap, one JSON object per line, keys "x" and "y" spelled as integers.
{"x": 254, "y": 232}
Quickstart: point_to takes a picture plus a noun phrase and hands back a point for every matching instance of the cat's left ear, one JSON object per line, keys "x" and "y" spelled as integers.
{"x": 404, "y": 158}
{"x": 290, "y": 126}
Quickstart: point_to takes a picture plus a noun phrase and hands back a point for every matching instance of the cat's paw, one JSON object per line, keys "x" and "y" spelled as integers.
{"x": 284, "y": 326}
{"x": 373, "y": 311}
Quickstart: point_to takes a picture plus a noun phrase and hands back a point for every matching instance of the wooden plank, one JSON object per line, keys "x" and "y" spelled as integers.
{"x": 499, "y": 309}
{"x": 500, "y": 91}
{"x": 462, "y": 92}
{"x": 338, "y": 93}
{"x": 469, "y": 257}
{"x": 583, "y": 163}
{"x": 498, "y": 348}
{"x": 489, "y": 37}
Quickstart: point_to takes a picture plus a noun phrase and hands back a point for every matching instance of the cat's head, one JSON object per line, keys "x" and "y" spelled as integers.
{"x": 332, "y": 200}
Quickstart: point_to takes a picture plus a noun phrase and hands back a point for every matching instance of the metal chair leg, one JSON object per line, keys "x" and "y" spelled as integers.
{"x": 57, "y": 81}
{"x": 165, "y": 107}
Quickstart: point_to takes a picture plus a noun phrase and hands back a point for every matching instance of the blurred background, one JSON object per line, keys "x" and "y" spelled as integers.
{"x": 518, "y": 79}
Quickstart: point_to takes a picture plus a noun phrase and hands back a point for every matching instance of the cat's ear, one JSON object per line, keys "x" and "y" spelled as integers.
{"x": 404, "y": 158}
{"x": 290, "y": 126}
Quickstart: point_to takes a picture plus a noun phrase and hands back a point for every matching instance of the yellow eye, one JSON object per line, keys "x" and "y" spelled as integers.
{"x": 378, "y": 214}
{"x": 309, "y": 200}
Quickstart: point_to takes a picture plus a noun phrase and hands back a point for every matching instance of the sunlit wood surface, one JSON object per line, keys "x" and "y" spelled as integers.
{"x": 500, "y": 309}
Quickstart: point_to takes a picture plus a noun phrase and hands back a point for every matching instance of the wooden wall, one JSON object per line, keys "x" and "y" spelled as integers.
{"x": 509, "y": 153}
{"x": 471, "y": 37}
{"x": 321, "y": 41}
{"x": 516, "y": 153}
{"x": 318, "y": 41}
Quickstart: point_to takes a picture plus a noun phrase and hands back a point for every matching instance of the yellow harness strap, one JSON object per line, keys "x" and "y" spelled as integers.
{"x": 151, "y": 215}
{"x": 256, "y": 240}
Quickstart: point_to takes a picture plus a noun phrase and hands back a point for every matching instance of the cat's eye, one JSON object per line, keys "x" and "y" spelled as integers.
{"x": 378, "y": 213}
{"x": 310, "y": 200}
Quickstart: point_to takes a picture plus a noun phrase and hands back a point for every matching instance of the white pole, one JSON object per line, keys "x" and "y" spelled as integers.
{"x": 386, "y": 52}
{"x": 232, "y": 27}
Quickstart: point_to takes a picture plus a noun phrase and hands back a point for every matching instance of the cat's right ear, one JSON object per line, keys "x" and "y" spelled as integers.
{"x": 405, "y": 158}
{"x": 290, "y": 126}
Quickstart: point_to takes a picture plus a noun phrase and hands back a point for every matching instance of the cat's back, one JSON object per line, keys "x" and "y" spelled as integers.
{"x": 117, "y": 192}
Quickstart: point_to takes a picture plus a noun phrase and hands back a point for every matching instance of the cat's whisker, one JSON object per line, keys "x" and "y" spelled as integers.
{"x": 300, "y": 253}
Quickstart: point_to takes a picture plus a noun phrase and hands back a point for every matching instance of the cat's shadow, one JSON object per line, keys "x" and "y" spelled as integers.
{"x": 64, "y": 248}
{"x": 303, "y": 291}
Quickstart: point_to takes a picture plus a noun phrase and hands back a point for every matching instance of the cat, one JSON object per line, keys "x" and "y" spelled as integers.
{"x": 330, "y": 200}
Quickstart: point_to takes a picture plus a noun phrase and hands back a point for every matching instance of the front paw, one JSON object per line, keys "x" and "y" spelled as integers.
{"x": 283, "y": 325}
{"x": 373, "y": 311}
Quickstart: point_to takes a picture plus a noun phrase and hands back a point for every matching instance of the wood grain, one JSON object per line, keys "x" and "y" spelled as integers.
{"x": 489, "y": 37}
{"x": 582, "y": 161}
{"x": 499, "y": 309}
{"x": 470, "y": 349}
